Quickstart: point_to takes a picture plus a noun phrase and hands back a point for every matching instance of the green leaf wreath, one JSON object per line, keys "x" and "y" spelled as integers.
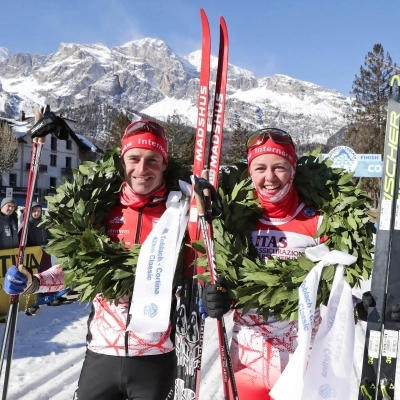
{"x": 91, "y": 262}
{"x": 274, "y": 286}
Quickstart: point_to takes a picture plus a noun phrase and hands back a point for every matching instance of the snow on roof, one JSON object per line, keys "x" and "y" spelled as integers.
{"x": 20, "y": 128}
{"x": 90, "y": 145}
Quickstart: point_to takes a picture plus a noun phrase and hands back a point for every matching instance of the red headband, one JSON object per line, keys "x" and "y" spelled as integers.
{"x": 145, "y": 140}
{"x": 270, "y": 147}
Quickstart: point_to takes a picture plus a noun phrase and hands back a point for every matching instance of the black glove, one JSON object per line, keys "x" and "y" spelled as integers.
{"x": 395, "y": 313}
{"x": 361, "y": 309}
{"x": 215, "y": 299}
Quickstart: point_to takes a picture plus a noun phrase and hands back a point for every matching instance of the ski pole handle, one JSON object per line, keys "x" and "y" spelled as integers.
{"x": 40, "y": 140}
{"x": 207, "y": 195}
{"x": 200, "y": 203}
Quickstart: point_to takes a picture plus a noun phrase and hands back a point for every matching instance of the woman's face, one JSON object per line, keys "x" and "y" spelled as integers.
{"x": 36, "y": 212}
{"x": 270, "y": 173}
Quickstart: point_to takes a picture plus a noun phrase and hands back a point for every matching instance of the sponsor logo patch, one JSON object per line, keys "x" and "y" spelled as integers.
{"x": 309, "y": 211}
{"x": 151, "y": 310}
{"x": 117, "y": 220}
{"x": 327, "y": 392}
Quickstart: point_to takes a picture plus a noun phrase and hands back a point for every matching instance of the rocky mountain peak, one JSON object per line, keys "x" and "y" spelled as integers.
{"x": 146, "y": 76}
{"x": 4, "y": 54}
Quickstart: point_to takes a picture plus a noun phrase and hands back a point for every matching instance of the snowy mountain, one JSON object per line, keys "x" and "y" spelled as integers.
{"x": 147, "y": 76}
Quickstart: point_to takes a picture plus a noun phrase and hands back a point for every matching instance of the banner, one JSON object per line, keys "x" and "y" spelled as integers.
{"x": 324, "y": 372}
{"x": 34, "y": 256}
{"x": 151, "y": 300}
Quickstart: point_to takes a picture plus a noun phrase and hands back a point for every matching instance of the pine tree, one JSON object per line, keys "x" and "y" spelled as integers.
{"x": 371, "y": 89}
{"x": 237, "y": 145}
{"x": 181, "y": 139}
{"x": 119, "y": 123}
{"x": 8, "y": 148}
{"x": 366, "y": 126}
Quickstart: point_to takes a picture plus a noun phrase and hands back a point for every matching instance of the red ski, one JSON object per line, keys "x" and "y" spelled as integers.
{"x": 190, "y": 325}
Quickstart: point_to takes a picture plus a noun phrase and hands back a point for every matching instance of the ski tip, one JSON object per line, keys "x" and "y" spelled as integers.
{"x": 223, "y": 32}
{"x": 205, "y": 25}
{"x": 222, "y": 22}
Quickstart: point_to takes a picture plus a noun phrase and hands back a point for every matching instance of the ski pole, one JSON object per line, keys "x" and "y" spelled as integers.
{"x": 10, "y": 329}
{"x": 202, "y": 193}
{"x": 10, "y": 314}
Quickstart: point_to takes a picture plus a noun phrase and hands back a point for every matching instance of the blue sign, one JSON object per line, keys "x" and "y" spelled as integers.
{"x": 363, "y": 165}
{"x": 369, "y": 169}
{"x": 343, "y": 157}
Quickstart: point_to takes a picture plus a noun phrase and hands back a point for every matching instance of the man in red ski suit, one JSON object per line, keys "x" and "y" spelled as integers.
{"x": 260, "y": 349}
{"x": 120, "y": 364}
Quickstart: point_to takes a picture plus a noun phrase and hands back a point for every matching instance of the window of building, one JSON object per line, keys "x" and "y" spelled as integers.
{"x": 13, "y": 179}
{"x": 53, "y": 144}
{"x": 53, "y": 182}
{"x": 53, "y": 160}
{"x": 68, "y": 162}
{"x": 69, "y": 145}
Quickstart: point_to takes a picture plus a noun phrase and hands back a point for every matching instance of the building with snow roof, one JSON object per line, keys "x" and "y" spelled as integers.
{"x": 57, "y": 160}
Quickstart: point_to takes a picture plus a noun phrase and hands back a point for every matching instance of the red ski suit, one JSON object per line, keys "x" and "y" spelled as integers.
{"x": 107, "y": 321}
{"x": 261, "y": 349}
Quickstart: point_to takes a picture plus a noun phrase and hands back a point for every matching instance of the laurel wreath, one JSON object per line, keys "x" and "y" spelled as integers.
{"x": 273, "y": 287}
{"x": 91, "y": 262}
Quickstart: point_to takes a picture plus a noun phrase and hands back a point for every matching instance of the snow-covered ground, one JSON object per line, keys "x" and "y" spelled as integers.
{"x": 50, "y": 346}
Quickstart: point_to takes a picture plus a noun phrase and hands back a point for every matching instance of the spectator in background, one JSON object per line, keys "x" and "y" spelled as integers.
{"x": 37, "y": 235}
{"x": 8, "y": 224}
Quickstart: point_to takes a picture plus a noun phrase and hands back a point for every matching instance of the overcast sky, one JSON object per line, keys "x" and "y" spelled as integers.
{"x": 319, "y": 41}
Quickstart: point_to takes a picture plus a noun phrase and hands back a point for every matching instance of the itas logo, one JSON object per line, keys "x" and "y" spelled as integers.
{"x": 309, "y": 211}
{"x": 117, "y": 220}
{"x": 271, "y": 241}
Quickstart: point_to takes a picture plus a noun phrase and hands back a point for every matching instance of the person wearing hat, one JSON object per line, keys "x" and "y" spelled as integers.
{"x": 261, "y": 349}
{"x": 37, "y": 235}
{"x": 121, "y": 363}
{"x": 8, "y": 224}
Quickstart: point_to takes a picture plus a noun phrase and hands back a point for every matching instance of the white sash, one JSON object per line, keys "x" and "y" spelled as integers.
{"x": 330, "y": 362}
{"x": 151, "y": 300}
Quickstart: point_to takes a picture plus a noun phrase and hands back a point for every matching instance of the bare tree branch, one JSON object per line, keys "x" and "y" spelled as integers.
{"x": 8, "y": 148}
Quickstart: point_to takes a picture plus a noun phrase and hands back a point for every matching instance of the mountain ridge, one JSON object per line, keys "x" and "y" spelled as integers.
{"x": 145, "y": 75}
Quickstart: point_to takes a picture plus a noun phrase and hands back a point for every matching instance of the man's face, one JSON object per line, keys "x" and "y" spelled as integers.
{"x": 143, "y": 170}
{"x": 8, "y": 208}
{"x": 36, "y": 212}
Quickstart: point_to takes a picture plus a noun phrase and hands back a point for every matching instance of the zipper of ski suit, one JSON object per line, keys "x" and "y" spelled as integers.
{"x": 128, "y": 318}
